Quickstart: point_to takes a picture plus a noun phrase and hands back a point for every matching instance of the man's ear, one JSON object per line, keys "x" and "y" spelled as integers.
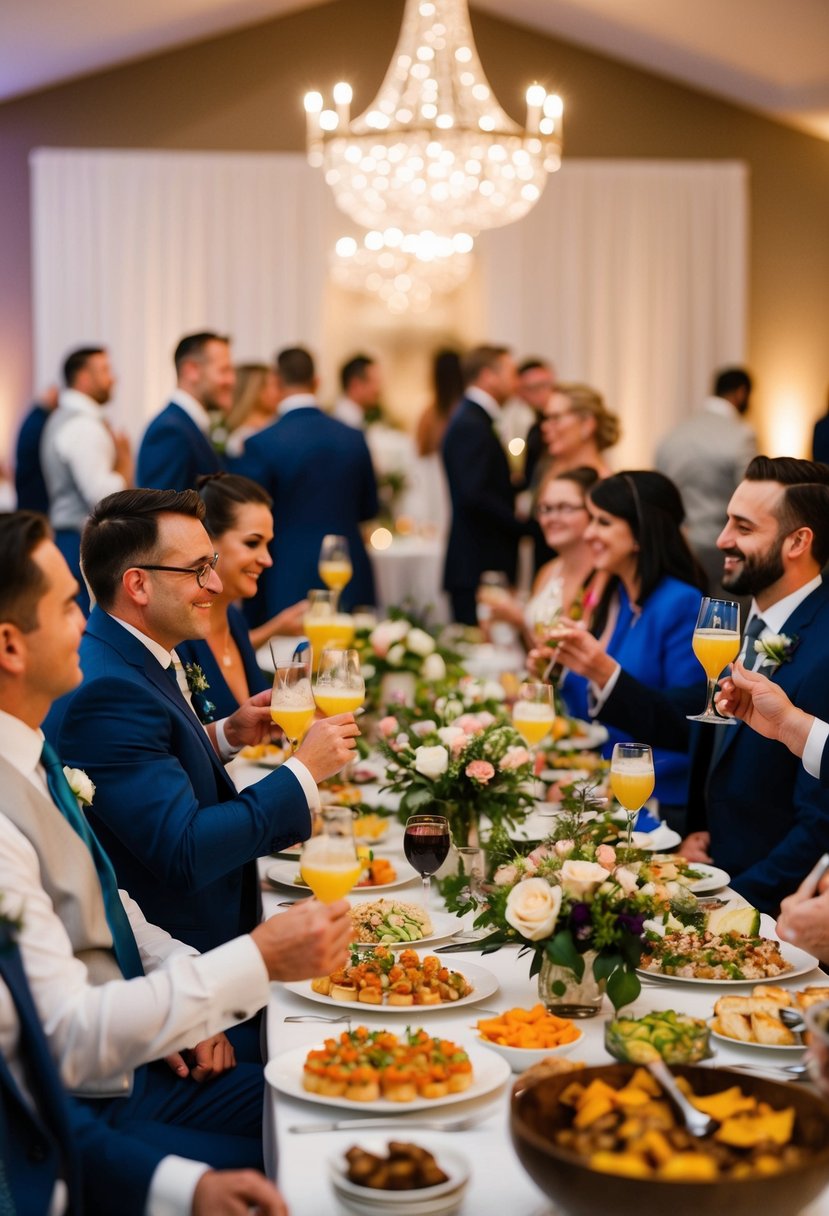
{"x": 12, "y": 649}
{"x": 136, "y": 585}
{"x": 800, "y": 542}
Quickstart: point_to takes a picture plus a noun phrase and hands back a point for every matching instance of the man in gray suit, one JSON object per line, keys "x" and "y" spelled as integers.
{"x": 706, "y": 456}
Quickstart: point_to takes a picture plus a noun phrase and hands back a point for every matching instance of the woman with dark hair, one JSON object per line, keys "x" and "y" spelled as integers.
{"x": 645, "y": 620}
{"x": 447, "y": 383}
{"x": 239, "y": 521}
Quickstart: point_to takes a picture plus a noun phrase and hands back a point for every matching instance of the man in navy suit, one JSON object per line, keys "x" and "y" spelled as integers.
{"x": 176, "y": 448}
{"x": 484, "y": 533}
{"x": 319, "y": 474}
{"x": 29, "y": 482}
{"x": 757, "y": 812}
{"x": 182, "y": 839}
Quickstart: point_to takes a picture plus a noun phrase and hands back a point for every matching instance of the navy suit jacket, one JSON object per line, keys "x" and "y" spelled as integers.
{"x": 60, "y": 1137}
{"x": 484, "y": 533}
{"x": 174, "y": 452}
{"x": 768, "y": 819}
{"x": 218, "y": 693}
{"x": 29, "y": 483}
{"x": 182, "y": 839}
{"x": 319, "y": 473}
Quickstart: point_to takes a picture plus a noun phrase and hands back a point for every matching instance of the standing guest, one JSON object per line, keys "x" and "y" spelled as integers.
{"x": 319, "y": 474}
{"x": 447, "y": 383}
{"x": 180, "y": 835}
{"x": 255, "y": 401}
{"x": 29, "y": 484}
{"x": 115, "y": 994}
{"x": 176, "y": 448}
{"x": 536, "y": 385}
{"x": 577, "y": 427}
{"x": 646, "y": 621}
{"x": 240, "y": 524}
{"x": 361, "y": 387}
{"x": 82, "y": 459}
{"x": 706, "y": 456}
{"x": 484, "y": 532}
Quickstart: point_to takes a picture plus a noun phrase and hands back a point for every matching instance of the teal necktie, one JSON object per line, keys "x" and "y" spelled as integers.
{"x": 123, "y": 939}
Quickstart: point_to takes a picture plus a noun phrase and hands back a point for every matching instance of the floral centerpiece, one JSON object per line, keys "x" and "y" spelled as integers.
{"x": 471, "y": 767}
{"x": 402, "y": 647}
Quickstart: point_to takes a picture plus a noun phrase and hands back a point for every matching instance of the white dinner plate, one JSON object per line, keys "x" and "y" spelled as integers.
{"x": 443, "y": 924}
{"x": 284, "y": 1073}
{"x": 483, "y": 983}
{"x": 713, "y": 878}
{"x": 282, "y": 873}
{"x": 773, "y": 1048}
{"x": 658, "y": 841}
{"x": 799, "y": 961}
{"x": 592, "y": 735}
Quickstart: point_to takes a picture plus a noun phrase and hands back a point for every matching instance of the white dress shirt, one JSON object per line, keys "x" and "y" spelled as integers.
{"x": 193, "y": 409}
{"x": 85, "y": 444}
{"x": 297, "y": 401}
{"x": 485, "y": 401}
{"x": 349, "y": 412}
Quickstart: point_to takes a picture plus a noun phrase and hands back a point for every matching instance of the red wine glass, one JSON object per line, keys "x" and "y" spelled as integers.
{"x": 426, "y": 843}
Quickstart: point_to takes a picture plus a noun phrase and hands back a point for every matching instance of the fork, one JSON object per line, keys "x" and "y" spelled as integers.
{"x": 317, "y": 1017}
{"x": 789, "y": 1072}
{"x": 351, "y": 1125}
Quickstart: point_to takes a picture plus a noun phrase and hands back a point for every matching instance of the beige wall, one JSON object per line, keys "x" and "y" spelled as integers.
{"x": 243, "y": 92}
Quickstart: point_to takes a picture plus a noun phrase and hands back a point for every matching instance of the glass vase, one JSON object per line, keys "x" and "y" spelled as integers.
{"x": 564, "y": 995}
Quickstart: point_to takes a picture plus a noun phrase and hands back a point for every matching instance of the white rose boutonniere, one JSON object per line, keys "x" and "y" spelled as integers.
{"x": 80, "y": 784}
{"x": 775, "y": 649}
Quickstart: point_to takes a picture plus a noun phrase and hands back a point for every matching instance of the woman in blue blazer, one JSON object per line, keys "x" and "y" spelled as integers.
{"x": 221, "y": 669}
{"x": 645, "y": 622}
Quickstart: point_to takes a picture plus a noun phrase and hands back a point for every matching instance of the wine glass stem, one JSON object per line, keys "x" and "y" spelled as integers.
{"x": 335, "y": 599}
{"x": 426, "y": 879}
{"x": 631, "y": 820}
{"x": 709, "y": 704}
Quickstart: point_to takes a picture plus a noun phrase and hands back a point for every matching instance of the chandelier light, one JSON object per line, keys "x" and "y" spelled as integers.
{"x": 402, "y": 270}
{"x": 434, "y": 150}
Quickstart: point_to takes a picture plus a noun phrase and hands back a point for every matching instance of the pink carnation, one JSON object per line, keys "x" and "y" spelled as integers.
{"x": 516, "y": 757}
{"x": 606, "y": 856}
{"x": 480, "y": 770}
{"x": 388, "y": 726}
{"x": 470, "y": 723}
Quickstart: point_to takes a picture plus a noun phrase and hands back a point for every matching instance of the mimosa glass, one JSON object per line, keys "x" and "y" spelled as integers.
{"x": 632, "y": 779}
{"x": 340, "y": 687}
{"x": 325, "y": 627}
{"x": 533, "y": 714}
{"x": 292, "y": 701}
{"x": 716, "y": 644}
{"x": 329, "y": 863}
{"x": 335, "y": 568}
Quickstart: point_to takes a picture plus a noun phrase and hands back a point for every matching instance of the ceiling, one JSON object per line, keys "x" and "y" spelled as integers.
{"x": 768, "y": 55}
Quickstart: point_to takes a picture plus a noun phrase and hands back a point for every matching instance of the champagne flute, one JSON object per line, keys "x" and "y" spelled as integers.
{"x": 329, "y": 863}
{"x": 716, "y": 643}
{"x": 426, "y": 843}
{"x": 632, "y": 779}
{"x": 493, "y": 586}
{"x": 335, "y": 567}
{"x": 340, "y": 687}
{"x": 292, "y": 701}
{"x": 533, "y": 714}
{"x": 324, "y": 626}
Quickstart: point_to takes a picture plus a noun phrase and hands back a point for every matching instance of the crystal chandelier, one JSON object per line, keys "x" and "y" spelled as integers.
{"x": 404, "y": 271}
{"x": 434, "y": 150}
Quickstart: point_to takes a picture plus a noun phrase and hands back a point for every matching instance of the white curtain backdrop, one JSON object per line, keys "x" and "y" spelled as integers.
{"x": 631, "y": 276}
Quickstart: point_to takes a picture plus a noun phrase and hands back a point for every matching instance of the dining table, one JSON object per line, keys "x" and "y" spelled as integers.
{"x": 498, "y": 1183}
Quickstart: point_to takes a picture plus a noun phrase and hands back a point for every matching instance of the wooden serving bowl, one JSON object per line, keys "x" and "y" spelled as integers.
{"x": 577, "y": 1190}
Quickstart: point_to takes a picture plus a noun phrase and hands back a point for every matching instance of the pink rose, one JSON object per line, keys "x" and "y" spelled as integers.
{"x": 388, "y": 726}
{"x": 469, "y": 723}
{"x": 485, "y": 718}
{"x": 606, "y": 856}
{"x": 538, "y": 855}
{"x": 505, "y": 876}
{"x": 564, "y": 847}
{"x": 515, "y": 757}
{"x": 480, "y": 770}
{"x": 457, "y": 745}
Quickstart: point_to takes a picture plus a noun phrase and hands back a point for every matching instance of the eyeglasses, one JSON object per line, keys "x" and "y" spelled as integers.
{"x": 202, "y": 573}
{"x": 545, "y": 509}
{"x": 557, "y": 417}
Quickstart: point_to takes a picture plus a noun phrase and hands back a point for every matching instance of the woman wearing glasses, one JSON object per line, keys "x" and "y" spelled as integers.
{"x": 240, "y": 524}
{"x": 577, "y": 427}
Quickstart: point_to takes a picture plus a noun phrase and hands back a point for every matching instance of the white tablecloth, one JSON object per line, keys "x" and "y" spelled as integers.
{"x": 411, "y": 569}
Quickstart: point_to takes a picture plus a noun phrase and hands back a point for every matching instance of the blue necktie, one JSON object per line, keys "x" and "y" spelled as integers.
{"x": 123, "y": 939}
{"x": 754, "y": 628}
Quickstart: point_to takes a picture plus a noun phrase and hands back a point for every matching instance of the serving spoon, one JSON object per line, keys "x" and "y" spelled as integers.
{"x": 697, "y": 1123}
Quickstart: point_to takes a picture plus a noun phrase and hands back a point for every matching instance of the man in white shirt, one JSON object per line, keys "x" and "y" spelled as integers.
{"x": 83, "y": 460}
{"x": 361, "y": 388}
{"x": 103, "y": 1029}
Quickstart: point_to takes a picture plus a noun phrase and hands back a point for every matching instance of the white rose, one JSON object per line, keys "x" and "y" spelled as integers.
{"x": 433, "y": 667}
{"x": 386, "y": 634}
{"x": 80, "y": 784}
{"x": 626, "y": 879}
{"x": 493, "y": 691}
{"x": 452, "y": 707}
{"x": 448, "y": 734}
{"x": 396, "y": 654}
{"x": 431, "y": 761}
{"x": 419, "y": 642}
{"x": 579, "y": 878}
{"x": 532, "y": 908}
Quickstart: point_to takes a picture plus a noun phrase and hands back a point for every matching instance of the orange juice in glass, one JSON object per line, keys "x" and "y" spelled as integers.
{"x": 329, "y": 863}
{"x": 533, "y": 714}
{"x": 335, "y": 568}
{"x": 632, "y": 779}
{"x": 716, "y": 643}
{"x": 340, "y": 687}
{"x": 292, "y": 701}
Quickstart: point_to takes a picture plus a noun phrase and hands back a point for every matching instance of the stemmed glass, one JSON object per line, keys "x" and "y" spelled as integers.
{"x": 533, "y": 714}
{"x": 335, "y": 567}
{"x": 329, "y": 863}
{"x": 340, "y": 687}
{"x": 716, "y": 643}
{"x": 426, "y": 841}
{"x": 632, "y": 779}
{"x": 292, "y": 701}
{"x": 323, "y": 625}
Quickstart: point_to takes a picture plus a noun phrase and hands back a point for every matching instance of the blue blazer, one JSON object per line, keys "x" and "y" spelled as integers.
{"x": 60, "y": 1137}
{"x": 768, "y": 819}
{"x": 319, "y": 473}
{"x": 174, "y": 452}
{"x": 484, "y": 533}
{"x": 218, "y": 693}
{"x": 182, "y": 839}
{"x": 655, "y": 648}
{"x": 29, "y": 483}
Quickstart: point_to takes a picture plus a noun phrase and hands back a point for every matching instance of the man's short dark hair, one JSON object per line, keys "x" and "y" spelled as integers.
{"x": 192, "y": 346}
{"x": 23, "y": 584}
{"x": 730, "y": 379}
{"x": 354, "y": 369}
{"x": 787, "y": 470}
{"x": 295, "y": 367}
{"x": 805, "y": 503}
{"x": 122, "y": 531}
{"x": 474, "y": 362}
{"x": 77, "y": 360}
{"x": 534, "y": 365}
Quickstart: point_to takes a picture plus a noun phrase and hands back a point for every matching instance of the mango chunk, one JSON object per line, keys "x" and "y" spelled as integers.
{"x": 724, "y": 1105}
{"x": 627, "y": 1164}
{"x": 744, "y": 1131}
{"x": 688, "y": 1167}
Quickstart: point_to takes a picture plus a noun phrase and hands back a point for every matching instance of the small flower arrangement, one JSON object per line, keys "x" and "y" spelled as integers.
{"x": 199, "y": 686}
{"x": 403, "y": 645}
{"x": 776, "y": 649}
{"x": 81, "y": 785}
{"x": 472, "y": 767}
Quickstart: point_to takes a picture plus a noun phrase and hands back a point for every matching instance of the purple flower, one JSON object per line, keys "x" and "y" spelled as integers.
{"x": 581, "y": 922}
{"x": 633, "y": 922}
